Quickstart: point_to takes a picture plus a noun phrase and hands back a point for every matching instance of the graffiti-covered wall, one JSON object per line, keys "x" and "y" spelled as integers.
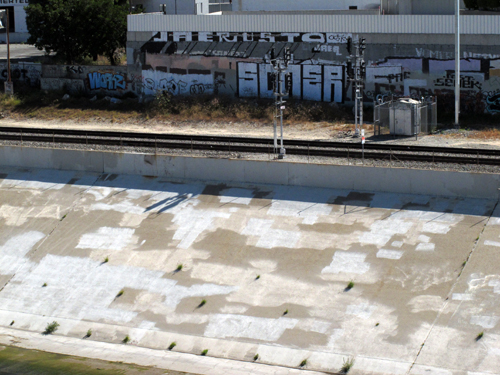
{"x": 110, "y": 80}
{"x": 233, "y": 63}
{"x": 28, "y": 73}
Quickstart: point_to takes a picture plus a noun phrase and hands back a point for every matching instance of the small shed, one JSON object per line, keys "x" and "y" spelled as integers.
{"x": 404, "y": 118}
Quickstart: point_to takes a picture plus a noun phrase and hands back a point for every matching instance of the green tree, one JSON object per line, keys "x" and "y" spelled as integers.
{"x": 75, "y": 29}
{"x": 471, "y": 4}
{"x": 482, "y": 4}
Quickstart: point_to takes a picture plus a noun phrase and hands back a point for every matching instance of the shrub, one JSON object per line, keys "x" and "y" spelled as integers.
{"x": 285, "y": 312}
{"x": 120, "y": 293}
{"x": 204, "y": 352}
{"x": 255, "y": 357}
{"x": 202, "y": 303}
{"x": 44, "y": 285}
{"x": 172, "y": 345}
{"x": 179, "y": 268}
{"x": 258, "y": 277}
{"x": 51, "y": 328}
{"x": 106, "y": 260}
{"x": 126, "y": 339}
{"x": 479, "y": 335}
{"x": 89, "y": 333}
{"x": 303, "y": 363}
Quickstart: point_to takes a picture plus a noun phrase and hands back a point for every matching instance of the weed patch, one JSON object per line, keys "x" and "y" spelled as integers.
{"x": 346, "y": 367}
{"x": 51, "y": 328}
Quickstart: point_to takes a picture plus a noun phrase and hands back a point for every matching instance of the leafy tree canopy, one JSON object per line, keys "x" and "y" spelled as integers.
{"x": 482, "y": 4}
{"x": 75, "y": 29}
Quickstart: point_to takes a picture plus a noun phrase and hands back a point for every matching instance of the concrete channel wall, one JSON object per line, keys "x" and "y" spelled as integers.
{"x": 393, "y": 180}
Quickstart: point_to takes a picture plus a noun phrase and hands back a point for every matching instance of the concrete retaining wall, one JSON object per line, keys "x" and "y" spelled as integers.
{"x": 394, "y": 180}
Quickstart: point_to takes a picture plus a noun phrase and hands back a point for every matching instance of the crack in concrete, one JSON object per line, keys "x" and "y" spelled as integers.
{"x": 447, "y": 301}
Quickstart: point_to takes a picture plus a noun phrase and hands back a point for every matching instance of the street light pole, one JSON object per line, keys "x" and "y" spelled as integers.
{"x": 457, "y": 62}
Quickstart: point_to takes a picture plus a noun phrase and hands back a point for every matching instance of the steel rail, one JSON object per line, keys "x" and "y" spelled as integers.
{"x": 246, "y": 140}
{"x": 263, "y": 149}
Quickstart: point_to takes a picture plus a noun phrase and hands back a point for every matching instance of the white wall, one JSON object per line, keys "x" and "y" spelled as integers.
{"x": 20, "y": 19}
{"x": 173, "y": 6}
{"x": 287, "y": 5}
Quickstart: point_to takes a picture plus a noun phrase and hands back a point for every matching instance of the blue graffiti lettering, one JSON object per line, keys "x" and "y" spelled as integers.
{"x": 107, "y": 81}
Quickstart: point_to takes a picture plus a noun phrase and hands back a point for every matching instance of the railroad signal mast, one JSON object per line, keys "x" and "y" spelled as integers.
{"x": 282, "y": 86}
{"x": 356, "y": 73}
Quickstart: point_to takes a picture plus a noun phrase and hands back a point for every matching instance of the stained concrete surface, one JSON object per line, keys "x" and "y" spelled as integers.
{"x": 272, "y": 263}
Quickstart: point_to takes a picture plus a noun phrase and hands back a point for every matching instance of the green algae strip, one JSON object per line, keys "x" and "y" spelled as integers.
{"x": 19, "y": 361}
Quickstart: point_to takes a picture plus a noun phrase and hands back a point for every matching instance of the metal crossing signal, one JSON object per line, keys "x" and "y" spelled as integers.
{"x": 362, "y": 69}
{"x": 349, "y": 70}
{"x": 362, "y": 44}
{"x": 288, "y": 83}
{"x": 349, "y": 45}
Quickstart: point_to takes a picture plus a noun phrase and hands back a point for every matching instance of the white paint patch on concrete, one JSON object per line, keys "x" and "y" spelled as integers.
{"x": 314, "y": 325}
{"x": 233, "y": 309}
{"x": 496, "y": 285}
{"x": 429, "y": 370}
{"x": 278, "y": 238}
{"x": 494, "y": 221}
{"x": 435, "y": 227}
{"x": 347, "y": 262}
{"x": 257, "y": 227}
{"x": 266, "y": 265}
{"x": 269, "y": 237}
{"x": 12, "y": 252}
{"x": 462, "y": 297}
{"x": 425, "y": 247}
{"x": 16, "y": 216}
{"x": 192, "y": 222}
{"x": 492, "y": 243}
{"x": 381, "y": 231}
{"x": 124, "y": 207}
{"x": 425, "y": 303}
{"x": 363, "y": 310}
{"x": 265, "y": 329}
{"x": 236, "y": 196}
{"x": 337, "y": 334}
{"x": 308, "y": 210}
{"x": 80, "y": 288}
{"x": 397, "y": 244}
{"x": 423, "y": 238}
{"x": 107, "y": 238}
{"x": 390, "y": 254}
{"x": 484, "y": 321}
{"x": 99, "y": 192}
{"x": 38, "y": 179}
{"x": 177, "y": 319}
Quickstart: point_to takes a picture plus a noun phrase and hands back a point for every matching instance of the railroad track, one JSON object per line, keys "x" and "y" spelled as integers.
{"x": 253, "y": 145}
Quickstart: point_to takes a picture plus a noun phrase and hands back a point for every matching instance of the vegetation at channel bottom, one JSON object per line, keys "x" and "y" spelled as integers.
{"x": 17, "y": 361}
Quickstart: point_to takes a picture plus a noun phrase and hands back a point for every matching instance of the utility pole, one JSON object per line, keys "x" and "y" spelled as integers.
{"x": 356, "y": 73}
{"x": 457, "y": 63}
{"x": 9, "y": 86}
{"x": 281, "y": 80}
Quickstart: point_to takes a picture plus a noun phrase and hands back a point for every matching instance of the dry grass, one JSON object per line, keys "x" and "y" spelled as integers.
{"x": 29, "y": 104}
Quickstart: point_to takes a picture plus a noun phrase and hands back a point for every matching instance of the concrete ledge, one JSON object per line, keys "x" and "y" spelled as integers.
{"x": 393, "y": 180}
